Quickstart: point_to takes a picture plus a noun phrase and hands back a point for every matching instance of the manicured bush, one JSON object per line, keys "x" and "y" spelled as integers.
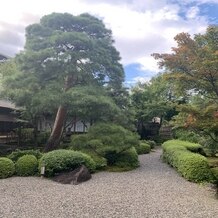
{"x": 215, "y": 172}
{"x": 192, "y": 166}
{"x": 65, "y": 160}
{"x": 143, "y": 148}
{"x": 15, "y": 155}
{"x": 7, "y": 167}
{"x": 128, "y": 159}
{"x": 100, "y": 162}
{"x": 27, "y": 165}
{"x": 109, "y": 141}
{"x": 151, "y": 143}
{"x": 193, "y": 147}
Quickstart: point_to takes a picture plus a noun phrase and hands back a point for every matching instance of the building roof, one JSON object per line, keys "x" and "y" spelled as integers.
{"x": 7, "y": 104}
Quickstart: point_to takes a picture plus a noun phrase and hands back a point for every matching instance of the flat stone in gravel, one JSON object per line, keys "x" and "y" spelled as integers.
{"x": 154, "y": 190}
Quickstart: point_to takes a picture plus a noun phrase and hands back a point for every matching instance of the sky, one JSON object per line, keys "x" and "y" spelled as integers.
{"x": 139, "y": 27}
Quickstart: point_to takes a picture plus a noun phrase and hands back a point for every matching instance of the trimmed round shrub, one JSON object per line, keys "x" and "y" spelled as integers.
{"x": 151, "y": 143}
{"x": 143, "y": 148}
{"x": 7, "y": 167}
{"x": 15, "y": 155}
{"x": 215, "y": 172}
{"x": 27, "y": 165}
{"x": 62, "y": 160}
{"x": 128, "y": 159}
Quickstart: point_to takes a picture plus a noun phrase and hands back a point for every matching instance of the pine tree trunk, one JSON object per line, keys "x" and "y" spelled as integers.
{"x": 55, "y": 137}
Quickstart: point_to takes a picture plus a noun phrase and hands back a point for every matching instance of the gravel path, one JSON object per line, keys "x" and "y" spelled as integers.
{"x": 152, "y": 190}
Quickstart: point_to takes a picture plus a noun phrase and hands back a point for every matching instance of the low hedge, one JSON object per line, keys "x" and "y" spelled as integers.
{"x": 27, "y": 165}
{"x": 192, "y": 166}
{"x": 15, "y": 155}
{"x": 65, "y": 160}
{"x": 143, "y": 148}
{"x": 150, "y": 142}
{"x": 215, "y": 172}
{"x": 7, "y": 167}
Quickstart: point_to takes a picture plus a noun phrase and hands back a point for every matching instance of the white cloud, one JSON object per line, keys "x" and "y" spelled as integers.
{"x": 192, "y": 13}
{"x": 140, "y": 27}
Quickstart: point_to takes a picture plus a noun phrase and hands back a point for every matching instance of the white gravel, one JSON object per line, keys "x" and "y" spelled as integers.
{"x": 153, "y": 190}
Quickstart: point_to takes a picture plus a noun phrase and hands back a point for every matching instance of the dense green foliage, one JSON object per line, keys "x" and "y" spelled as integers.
{"x": 106, "y": 140}
{"x": 192, "y": 166}
{"x": 58, "y": 161}
{"x": 128, "y": 159}
{"x": 15, "y": 155}
{"x": 155, "y": 99}
{"x": 7, "y": 167}
{"x": 143, "y": 148}
{"x": 186, "y": 135}
{"x": 150, "y": 142}
{"x": 27, "y": 165}
{"x": 63, "y": 55}
{"x": 215, "y": 172}
{"x": 100, "y": 162}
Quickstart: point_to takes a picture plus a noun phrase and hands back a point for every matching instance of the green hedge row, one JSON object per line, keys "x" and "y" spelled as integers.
{"x": 192, "y": 166}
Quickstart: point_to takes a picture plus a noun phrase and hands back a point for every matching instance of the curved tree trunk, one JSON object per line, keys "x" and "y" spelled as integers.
{"x": 55, "y": 137}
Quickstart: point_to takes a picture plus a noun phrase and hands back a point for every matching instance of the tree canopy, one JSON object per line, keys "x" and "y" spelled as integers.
{"x": 194, "y": 62}
{"x": 62, "y": 52}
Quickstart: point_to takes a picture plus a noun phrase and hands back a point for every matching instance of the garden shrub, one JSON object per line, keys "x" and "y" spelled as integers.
{"x": 193, "y": 147}
{"x": 109, "y": 141}
{"x": 7, "y": 167}
{"x": 128, "y": 159}
{"x": 151, "y": 143}
{"x": 143, "y": 148}
{"x": 15, "y": 155}
{"x": 79, "y": 142}
{"x": 27, "y": 165}
{"x": 215, "y": 172}
{"x": 192, "y": 166}
{"x": 100, "y": 162}
{"x": 65, "y": 160}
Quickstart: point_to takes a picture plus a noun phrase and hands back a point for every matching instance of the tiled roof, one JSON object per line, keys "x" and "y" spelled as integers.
{"x": 7, "y": 104}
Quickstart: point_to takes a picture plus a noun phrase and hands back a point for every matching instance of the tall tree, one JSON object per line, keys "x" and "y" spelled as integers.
{"x": 194, "y": 62}
{"x": 64, "y": 51}
{"x": 194, "y": 66}
{"x": 154, "y": 99}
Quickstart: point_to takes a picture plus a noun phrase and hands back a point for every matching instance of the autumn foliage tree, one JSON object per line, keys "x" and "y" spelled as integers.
{"x": 193, "y": 65}
{"x": 194, "y": 62}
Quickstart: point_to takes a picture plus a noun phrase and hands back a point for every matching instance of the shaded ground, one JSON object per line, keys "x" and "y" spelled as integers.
{"x": 153, "y": 190}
